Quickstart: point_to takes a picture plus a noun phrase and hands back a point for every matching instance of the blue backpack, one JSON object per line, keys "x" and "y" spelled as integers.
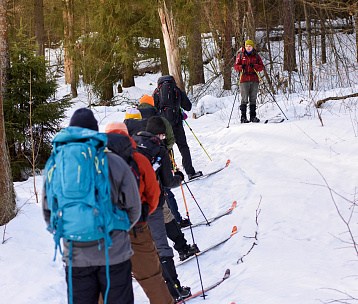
{"x": 78, "y": 191}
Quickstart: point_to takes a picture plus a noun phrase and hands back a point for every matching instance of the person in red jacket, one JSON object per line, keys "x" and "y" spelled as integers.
{"x": 146, "y": 266}
{"x": 248, "y": 62}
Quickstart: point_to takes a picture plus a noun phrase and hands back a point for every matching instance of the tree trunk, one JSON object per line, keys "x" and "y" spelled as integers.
{"x": 227, "y": 46}
{"x": 250, "y": 20}
{"x": 128, "y": 75}
{"x": 39, "y": 26}
{"x": 356, "y": 30}
{"x": 289, "y": 56}
{"x": 170, "y": 37}
{"x": 196, "y": 67}
{"x": 163, "y": 58}
{"x": 309, "y": 46}
{"x": 323, "y": 37}
{"x": 107, "y": 92}
{"x": 71, "y": 76}
{"x": 7, "y": 197}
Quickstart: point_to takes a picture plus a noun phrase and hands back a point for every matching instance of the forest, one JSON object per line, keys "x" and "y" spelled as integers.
{"x": 104, "y": 45}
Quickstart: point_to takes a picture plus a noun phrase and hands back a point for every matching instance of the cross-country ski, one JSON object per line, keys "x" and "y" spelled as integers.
{"x": 215, "y": 218}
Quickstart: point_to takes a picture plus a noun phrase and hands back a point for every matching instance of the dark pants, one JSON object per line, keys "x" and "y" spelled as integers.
{"x": 89, "y": 282}
{"x": 174, "y": 234}
{"x": 170, "y": 275}
{"x": 172, "y": 203}
{"x": 180, "y": 140}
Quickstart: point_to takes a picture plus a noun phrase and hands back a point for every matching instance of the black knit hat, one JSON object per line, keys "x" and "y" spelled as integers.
{"x": 156, "y": 125}
{"x": 84, "y": 118}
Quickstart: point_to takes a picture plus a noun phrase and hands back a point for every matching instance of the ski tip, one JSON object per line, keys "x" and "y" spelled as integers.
{"x": 227, "y": 162}
{"x": 234, "y": 230}
{"x": 234, "y": 205}
{"x": 227, "y": 274}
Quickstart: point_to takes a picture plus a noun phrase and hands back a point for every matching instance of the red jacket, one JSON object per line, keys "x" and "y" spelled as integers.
{"x": 248, "y": 74}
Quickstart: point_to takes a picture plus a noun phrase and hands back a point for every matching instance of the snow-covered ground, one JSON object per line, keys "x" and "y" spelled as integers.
{"x": 286, "y": 178}
{"x": 292, "y": 181}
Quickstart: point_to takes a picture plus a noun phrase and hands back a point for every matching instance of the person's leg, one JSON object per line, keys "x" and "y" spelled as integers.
{"x": 157, "y": 228}
{"x": 180, "y": 140}
{"x": 85, "y": 285}
{"x": 172, "y": 203}
{"x": 244, "y": 91}
{"x": 159, "y": 234}
{"x": 254, "y": 88}
{"x": 121, "y": 289}
{"x": 146, "y": 267}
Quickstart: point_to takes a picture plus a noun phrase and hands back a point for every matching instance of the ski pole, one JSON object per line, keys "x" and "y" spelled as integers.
{"x": 196, "y": 202}
{"x": 232, "y": 109}
{"x": 273, "y": 97}
{"x": 192, "y": 236}
{"x": 171, "y": 155}
{"x": 197, "y": 139}
{"x": 191, "y": 193}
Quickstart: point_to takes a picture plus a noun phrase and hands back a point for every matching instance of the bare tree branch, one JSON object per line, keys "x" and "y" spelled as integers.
{"x": 255, "y": 236}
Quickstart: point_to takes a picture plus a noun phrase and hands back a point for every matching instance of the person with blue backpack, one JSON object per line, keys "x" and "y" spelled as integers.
{"x": 90, "y": 202}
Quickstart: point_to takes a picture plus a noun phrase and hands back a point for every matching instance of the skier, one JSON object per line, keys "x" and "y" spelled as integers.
{"x": 248, "y": 62}
{"x": 146, "y": 267}
{"x": 147, "y": 110}
{"x": 170, "y": 100}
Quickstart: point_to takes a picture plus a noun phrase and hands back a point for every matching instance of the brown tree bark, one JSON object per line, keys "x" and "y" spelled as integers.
{"x": 227, "y": 45}
{"x": 163, "y": 58}
{"x": 7, "y": 197}
{"x": 170, "y": 37}
{"x": 250, "y": 20}
{"x": 309, "y": 46}
{"x": 39, "y": 26}
{"x": 195, "y": 51}
{"x": 71, "y": 76}
{"x": 289, "y": 56}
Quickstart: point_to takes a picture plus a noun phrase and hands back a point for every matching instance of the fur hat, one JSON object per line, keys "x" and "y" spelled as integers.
{"x": 156, "y": 125}
{"x": 116, "y": 127}
{"x": 84, "y": 118}
{"x": 249, "y": 42}
{"x": 132, "y": 113}
{"x": 147, "y": 99}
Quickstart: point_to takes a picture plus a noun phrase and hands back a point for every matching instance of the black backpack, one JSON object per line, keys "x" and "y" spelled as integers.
{"x": 149, "y": 145}
{"x": 167, "y": 99}
{"x": 122, "y": 146}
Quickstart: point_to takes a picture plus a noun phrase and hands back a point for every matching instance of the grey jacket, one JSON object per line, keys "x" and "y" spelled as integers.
{"x": 124, "y": 189}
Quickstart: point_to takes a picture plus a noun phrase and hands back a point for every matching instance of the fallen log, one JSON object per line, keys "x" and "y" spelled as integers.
{"x": 321, "y": 101}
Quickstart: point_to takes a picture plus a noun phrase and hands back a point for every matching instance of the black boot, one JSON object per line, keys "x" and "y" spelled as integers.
{"x": 187, "y": 251}
{"x": 171, "y": 278}
{"x": 253, "y": 117}
{"x": 243, "y": 108}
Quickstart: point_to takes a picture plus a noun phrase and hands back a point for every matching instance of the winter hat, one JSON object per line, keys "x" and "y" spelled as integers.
{"x": 84, "y": 118}
{"x": 116, "y": 127}
{"x": 132, "y": 113}
{"x": 156, "y": 125}
{"x": 249, "y": 42}
{"x": 147, "y": 99}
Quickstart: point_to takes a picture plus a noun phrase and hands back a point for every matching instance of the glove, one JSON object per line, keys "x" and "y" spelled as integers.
{"x": 180, "y": 174}
{"x": 243, "y": 66}
{"x": 185, "y": 116}
{"x": 252, "y": 65}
